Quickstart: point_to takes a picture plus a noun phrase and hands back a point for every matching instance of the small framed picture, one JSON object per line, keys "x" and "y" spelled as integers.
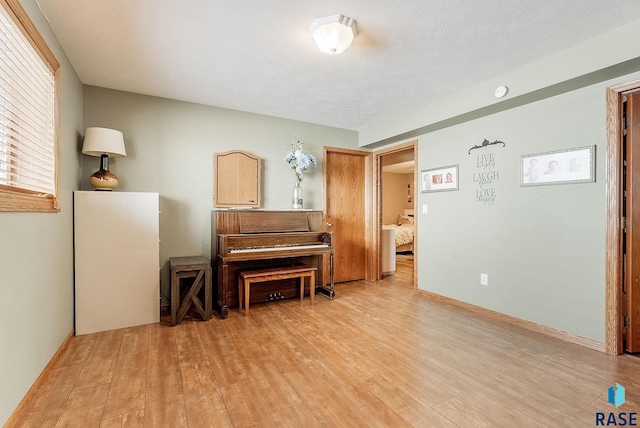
{"x": 558, "y": 167}
{"x": 439, "y": 179}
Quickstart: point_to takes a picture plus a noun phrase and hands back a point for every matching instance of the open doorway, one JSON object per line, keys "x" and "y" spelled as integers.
{"x": 395, "y": 206}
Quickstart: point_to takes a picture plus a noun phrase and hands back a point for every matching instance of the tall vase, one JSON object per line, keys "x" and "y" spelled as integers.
{"x": 296, "y": 197}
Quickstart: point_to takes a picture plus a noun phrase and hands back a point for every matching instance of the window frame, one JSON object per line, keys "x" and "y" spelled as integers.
{"x": 15, "y": 199}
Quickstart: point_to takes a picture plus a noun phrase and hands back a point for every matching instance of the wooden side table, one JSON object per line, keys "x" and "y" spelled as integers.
{"x": 198, "y": 268}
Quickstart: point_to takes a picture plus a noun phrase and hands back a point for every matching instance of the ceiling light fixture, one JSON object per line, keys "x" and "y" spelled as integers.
{"x": 333, "y": 34}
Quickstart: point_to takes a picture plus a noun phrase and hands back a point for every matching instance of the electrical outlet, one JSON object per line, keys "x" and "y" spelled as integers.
{"x": 484, "y": 279}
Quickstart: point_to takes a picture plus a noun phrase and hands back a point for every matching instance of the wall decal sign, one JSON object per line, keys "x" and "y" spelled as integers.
{"x": 485, "y": 178}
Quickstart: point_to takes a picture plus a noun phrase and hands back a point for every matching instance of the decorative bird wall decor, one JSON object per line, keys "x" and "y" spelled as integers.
{"x": 486, "y": 143}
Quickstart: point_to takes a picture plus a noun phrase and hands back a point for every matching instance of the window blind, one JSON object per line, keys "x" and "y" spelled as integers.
{"x": 27, "y": 116}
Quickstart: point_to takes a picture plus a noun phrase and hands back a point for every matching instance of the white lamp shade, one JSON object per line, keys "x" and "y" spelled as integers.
{"x": 98, "y": 141}
{"x": 333, "y": 34}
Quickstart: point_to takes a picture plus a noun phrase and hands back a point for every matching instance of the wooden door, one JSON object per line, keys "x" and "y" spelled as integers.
{"x": 346, "y": 174}
{"x": 631, "y": 241}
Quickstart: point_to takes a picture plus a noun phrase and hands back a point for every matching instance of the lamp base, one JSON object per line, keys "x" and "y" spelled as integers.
{"x": 103, "y": 179}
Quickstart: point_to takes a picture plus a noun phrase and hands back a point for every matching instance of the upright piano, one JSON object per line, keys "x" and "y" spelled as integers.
{"x": 258, "y": 239}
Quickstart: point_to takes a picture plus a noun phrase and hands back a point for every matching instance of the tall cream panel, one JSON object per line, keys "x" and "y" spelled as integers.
{"x": 116, "y": 260}
{"x": 388, "y": 248}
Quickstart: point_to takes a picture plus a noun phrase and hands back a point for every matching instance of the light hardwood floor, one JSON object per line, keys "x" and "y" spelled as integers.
{"x": 380, "y": 354}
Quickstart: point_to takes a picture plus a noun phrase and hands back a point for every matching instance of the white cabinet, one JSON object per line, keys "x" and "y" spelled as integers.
{"x": 117, "y": 252}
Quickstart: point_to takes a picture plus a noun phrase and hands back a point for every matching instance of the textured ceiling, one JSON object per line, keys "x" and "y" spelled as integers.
{"x": 258, "y": 56}
{"x": 400, "y": 168}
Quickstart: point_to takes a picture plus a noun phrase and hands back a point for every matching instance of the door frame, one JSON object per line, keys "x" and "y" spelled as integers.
{"x": 377, "y": 203}
{"x": 613, "y": 259}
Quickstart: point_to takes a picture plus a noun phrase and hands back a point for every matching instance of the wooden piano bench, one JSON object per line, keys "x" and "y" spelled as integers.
{"x": 246, "y": 278}
{"x": 198, "y": 268}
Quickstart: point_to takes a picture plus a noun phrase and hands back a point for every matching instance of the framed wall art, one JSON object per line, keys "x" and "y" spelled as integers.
{"x": 439, "y": 179}
{"x": 558, "y": 167}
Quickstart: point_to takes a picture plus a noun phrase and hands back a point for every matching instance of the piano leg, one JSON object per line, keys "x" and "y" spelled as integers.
{"x": 329, "y": 292}
{"x": 223, "y": 311}
{"x": 222, "y": 307}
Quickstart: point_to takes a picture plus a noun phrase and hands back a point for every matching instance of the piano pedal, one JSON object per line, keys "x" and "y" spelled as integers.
{"x": 275, "y": 296}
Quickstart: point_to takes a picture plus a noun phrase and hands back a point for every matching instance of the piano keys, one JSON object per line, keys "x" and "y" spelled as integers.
{"x": 257, "y": 239}
{"x": 292, "y": 248}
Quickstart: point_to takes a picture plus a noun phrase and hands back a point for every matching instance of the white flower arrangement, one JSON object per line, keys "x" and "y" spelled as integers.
{"x": 299, "y": 161}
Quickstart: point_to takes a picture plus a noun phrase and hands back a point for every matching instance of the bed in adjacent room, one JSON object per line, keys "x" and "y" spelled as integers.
{"x": 404, "y": 229}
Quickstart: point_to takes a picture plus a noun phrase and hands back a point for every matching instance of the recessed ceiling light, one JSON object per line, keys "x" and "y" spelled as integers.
{"x": 501, "y": 91}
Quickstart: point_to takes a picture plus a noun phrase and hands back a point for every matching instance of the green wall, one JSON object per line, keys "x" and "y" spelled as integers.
{"x": 543, "y": 247}
{"x": 36, "y": 255}
{"x": 170, "y": 146}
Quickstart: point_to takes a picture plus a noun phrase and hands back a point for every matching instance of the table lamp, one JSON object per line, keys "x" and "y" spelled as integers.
{"x": 103, "y": 142}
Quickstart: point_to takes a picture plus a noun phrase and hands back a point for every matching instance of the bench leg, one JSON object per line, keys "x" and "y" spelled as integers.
{"x": 240, "y": 293}
{"x": 247, "y": 291}
{"x": 312, "y": 286}
{"x": 301, "y": 288}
